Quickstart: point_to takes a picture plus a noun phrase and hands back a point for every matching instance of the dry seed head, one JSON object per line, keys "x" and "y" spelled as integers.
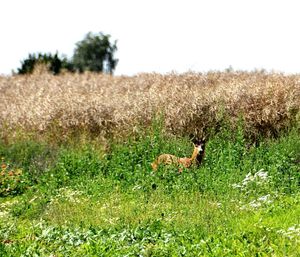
{"x": 108, "y": 105}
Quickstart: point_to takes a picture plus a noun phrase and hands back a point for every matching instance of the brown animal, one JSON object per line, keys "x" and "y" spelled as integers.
{"x": 185, "y": 162}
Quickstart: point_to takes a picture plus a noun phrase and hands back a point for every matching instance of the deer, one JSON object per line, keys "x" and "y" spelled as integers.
{"x": 184, "y": 162}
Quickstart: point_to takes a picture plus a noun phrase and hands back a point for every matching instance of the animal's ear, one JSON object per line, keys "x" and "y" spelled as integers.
{"x": 193, "y": 138}
{"x": 196, "y": 142}
{"x": 203, "y": 141}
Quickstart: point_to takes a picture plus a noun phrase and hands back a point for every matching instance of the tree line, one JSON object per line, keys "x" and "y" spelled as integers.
{"x": 94, "y": 53}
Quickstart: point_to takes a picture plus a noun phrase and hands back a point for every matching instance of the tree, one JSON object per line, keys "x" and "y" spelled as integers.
{"x": 95, "y": 53}
{"x": 54, "y": 63}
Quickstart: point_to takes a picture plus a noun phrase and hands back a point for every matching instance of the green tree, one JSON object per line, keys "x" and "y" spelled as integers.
{"x": 54, "y": 63}
{"x": 95, "y": 53}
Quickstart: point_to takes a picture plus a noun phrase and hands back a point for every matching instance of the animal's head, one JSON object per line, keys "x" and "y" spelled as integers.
{"x": 199, "y": 150}
{"x": 199, "y": 144}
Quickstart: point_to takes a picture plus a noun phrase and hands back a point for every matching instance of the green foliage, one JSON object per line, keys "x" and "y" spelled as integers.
{"x": 244, "y": 199}
{"x": 34, "y": 158}
{"x": 77, "y": 163}
{"x": 12, "y": 181}
{"x": 55, "y": 64}
{"x": 95, "y": 53}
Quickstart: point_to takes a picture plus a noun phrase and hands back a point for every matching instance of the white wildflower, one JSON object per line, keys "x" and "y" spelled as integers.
{"x": 236, "y": 186}
{"x": 261, "y": 174}
{"x": 259, "y": 177}
{"x": 67, "y": 194}
{"x": 249, "y": 178}
{"x": 259, "y": 202}
{"x": 265, "y": 199}
{"x": 255, "y": 204}
{"x": 291, "y": 232}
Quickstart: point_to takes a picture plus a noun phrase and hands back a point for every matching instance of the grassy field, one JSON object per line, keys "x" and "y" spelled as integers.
{"x": 106, "y": 106}
{"x": 93, "y": 193}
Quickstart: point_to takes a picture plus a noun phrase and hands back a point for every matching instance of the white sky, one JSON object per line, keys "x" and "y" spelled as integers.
{"x": 158, "y": 35}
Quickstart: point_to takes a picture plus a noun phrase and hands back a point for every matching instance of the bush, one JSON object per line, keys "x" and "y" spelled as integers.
{"x": 53, "y": 63}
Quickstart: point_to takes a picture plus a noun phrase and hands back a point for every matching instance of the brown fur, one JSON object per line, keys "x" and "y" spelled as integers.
{"x": 185, "y": 162}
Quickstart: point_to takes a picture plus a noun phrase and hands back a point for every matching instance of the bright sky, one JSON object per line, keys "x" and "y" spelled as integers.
{"x": 158, "y": 35}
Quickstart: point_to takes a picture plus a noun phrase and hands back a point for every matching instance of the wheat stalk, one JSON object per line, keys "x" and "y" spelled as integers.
{"x": 107, "y": 105}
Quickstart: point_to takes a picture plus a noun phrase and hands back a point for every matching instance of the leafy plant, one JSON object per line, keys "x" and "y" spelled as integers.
{"x": 12, "y": 181}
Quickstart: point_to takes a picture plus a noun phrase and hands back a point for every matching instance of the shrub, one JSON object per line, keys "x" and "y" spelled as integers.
{"x": 53, "y": 63}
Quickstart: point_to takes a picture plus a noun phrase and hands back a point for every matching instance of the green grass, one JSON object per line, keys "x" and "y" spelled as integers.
{"x": 82, "y": 200}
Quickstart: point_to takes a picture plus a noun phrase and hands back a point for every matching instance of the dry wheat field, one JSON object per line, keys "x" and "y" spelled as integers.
{"x": 119, "y": 105}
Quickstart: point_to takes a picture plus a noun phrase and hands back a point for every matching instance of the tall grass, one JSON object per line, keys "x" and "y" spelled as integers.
{"x": 191, "y": 103}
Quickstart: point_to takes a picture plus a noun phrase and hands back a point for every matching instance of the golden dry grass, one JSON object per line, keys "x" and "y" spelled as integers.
{"x": 190, "y": 103}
